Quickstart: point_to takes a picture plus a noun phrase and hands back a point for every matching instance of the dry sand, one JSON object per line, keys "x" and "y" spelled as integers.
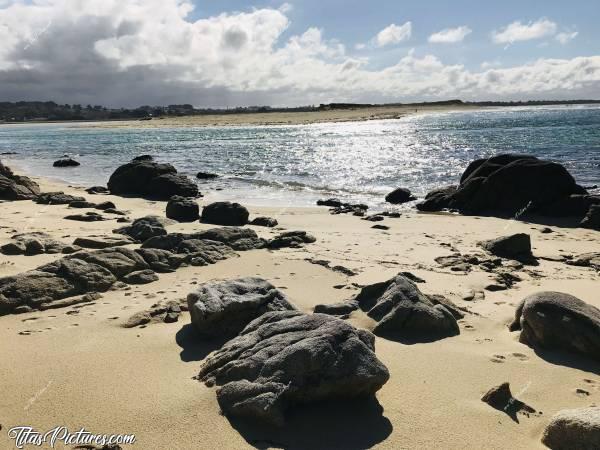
{"x": 80, "y": 368}
{"x": 284, "y": 118}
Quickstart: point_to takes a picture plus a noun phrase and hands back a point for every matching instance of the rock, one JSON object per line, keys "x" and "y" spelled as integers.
{"x": 374, "y": 218}
{"x": 99, "y": 242}
{"x": 119, "y": 261}
{"x": 87, "y": 217}
{"x": 30, "y": 244}
{"x": 399, "y": 196}
{"x": 575, "y": 205}
{"x": 403, "y": 312}
{"x": 268, "y": 222}
{"x": 141, "y": 277}
{"x": 286, "y": 358}
{"x": 507, "y": 185}
{"x": 168, "y": 312}
{"x": 237, "y": 238}
{"x": 116, "y": 212}
{"x": 501, "y": 398}
{"x": 572, "y": 429}
{"x": 331, "y": 202}
{"x": 380, "y": 227}
{"x": 57, "y": 198}
{"x": 171, "y": 317}
{"x": 224, "y": 308}
{"x": 516, "y": 246}
{"x": 143, "y": 158}
{"x": 81, "y": 204}
{"x": 182, "y": 209}
{"x": 145, "y": 228}
{"x": 294, "y": 239}
{"x": 144, "y": 178}
{"x": 337, "y": 309}
{"x": 66, "y": 162}
{"x": 105, "y": 206}
{"x": 557, "y": 321}
{"x": 592, "y": 219}
{"x": 15, "y": 187}
{"x": 206, "y": 176}
{"x": 225, "y": 213}
{"x": 591, "y": 260}
{"x": 161, "y": 261}
{"x": 97, "y": 190}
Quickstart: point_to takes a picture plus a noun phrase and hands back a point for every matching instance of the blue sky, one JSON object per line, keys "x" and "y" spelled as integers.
{"x": 232, "y": 52}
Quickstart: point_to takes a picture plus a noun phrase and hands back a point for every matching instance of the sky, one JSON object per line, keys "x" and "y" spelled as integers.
{"x": 227, "y": 53}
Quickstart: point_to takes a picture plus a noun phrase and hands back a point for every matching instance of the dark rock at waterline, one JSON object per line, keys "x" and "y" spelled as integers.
{"x": 402, "y": 311}
{"x": 516, "y": 246}
{"x": 206, "y": 176}
{"x": 225, "y": 213}
{"x": 506, "y": 184}
{"x": 150, "y": 179}
{"x": 399, "y": 196}
{"x": 66, "y": 162}
{"x": 145, "y": 228}
{"x": 143, "y": 158}
{"x": 225, "y": 308}
{"x": 286, "y": 358}
{"x": 57, "y": 198}
{"x": 592, "y": 219}
{"x": 182, "y": 209}
{"x": 97, "y": 190}
{"x": 330, "y": 202}
{"x": 557, "y": 321}
{"x": 15, "y": 187}
{"x": 293, "y": 239}
{"x": 268, "y": 222}
{"x": 572, "y": 429}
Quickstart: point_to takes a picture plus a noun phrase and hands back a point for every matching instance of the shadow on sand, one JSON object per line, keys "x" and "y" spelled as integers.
{"x": 193, "y": 346}
{"x": 572, "y": 360}
{"x": 341, "y": 424}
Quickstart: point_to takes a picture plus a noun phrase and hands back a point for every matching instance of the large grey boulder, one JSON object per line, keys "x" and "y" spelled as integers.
{"x": 182, "y": 209}
{"x": 145, "y": 228}
{"x": 286, "y": 358}
{"x": 224, "y": 308}
{"x": 554, "y": 320}
{"x": 516, "y": 246}
{"x": 403, "y": 312}
{"x": 574, "y": 429}
{"x": 16, "y": 187}
{"x": 146, "y": 178}
{"x": 225, "y": 213}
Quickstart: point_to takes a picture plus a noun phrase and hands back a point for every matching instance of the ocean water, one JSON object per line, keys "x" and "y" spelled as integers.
{"x": 296, "y": 165}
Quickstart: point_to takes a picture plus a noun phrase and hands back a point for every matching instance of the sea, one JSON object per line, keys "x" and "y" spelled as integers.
{"x": 294, "y": 165}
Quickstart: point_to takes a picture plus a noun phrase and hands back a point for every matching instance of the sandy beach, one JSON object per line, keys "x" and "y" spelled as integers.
{"x": 78, "y": 367}
{"x": 285, "y": 118}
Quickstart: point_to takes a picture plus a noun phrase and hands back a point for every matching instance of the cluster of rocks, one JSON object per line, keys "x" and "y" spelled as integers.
{"x": 184, "y": 209}
{"x": 143, "y": 177}
{"x": 15, "y": 187}
{"x": 36, "y": 243}
{"x": 338, "y": 207}
{"x": 402, "y": 311}
{"x": 161, "y": 312}
{"x": 514, "y": 185}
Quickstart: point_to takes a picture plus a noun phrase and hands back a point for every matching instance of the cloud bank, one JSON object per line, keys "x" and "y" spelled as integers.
{"x": 135, "y": 52}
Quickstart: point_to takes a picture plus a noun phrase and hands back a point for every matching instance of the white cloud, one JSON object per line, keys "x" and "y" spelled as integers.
{"x": 450, "y": 35}
{"x": 394, "y": 34}
{"x": 133, "y": 52}
{"x": 518, "y": 31}
{"x": 566, "y": 37}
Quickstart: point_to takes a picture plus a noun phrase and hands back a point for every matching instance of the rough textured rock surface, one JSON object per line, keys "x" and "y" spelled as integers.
{"x": 225, "y": 213}
{"x": 225, "y": 308}
{"x": 516, "y": 246}
{"x": 141, "y": 277}
{"x": 261, "y": 221}
{"x": 592, "y": 218}
{"x": 507, "y": 184}
{"x": 241, "y": 239}
{"x": 66, "y": 162}
{"x": 295, "y": 239}
{"x": 182, "y": 209}
{"x": 99, "y": 242}
{"x": 591, "y": 260}
{"x": 402, "y": 311}
{"x": 57, "y": 198}
{"x": 399, "y": 196}
{"x": 146, "y": 178}
{"x": 145, "y": 228}
{"x": 30, "y": 244}
{"x": 572, "y": 429}
{"x": 15, "y": 187}
{"x": 97, "y": 190}
{"x": 87, "y": 217}
{"x": 286, "y": 358}
{"x": 554, "y": 320}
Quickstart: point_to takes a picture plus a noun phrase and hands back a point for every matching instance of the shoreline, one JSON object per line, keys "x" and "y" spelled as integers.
{"x": 91, "y": 372}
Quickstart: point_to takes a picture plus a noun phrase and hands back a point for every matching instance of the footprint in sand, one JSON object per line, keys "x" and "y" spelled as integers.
{"x": 498, "y": 359}
{"x": 520, "y": 356}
